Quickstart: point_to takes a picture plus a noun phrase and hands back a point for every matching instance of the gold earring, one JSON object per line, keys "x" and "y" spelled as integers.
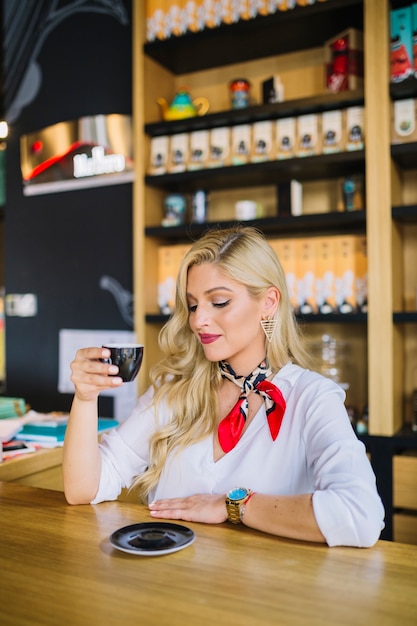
{"x": 268, "y": 326}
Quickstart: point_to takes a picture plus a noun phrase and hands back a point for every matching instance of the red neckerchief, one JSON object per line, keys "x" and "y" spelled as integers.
{"x": 231, "y": 427}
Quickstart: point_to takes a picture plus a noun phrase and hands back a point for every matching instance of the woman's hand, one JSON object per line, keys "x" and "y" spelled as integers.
{"x": 206, "y": 508}
{"x": 90, "y": 375}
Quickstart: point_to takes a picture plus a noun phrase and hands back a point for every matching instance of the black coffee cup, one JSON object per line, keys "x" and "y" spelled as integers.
{"x": 128, "y": 357}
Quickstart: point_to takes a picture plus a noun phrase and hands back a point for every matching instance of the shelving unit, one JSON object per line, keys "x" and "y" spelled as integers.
{"x": 289, "y": 43}
{"x": 328, "y": 223}
{"x": 206, "y": 62}
{"x": 266, "y": 173}
{"x": 259, "y": 113}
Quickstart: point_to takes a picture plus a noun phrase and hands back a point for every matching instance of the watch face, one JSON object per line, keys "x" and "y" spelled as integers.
{"x": 238, "y": 493}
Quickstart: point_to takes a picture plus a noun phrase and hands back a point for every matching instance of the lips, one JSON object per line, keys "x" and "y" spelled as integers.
{"x": 205, "y": 339}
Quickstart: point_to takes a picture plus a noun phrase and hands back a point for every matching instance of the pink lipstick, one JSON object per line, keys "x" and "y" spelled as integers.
{"x": 205, "y": 339}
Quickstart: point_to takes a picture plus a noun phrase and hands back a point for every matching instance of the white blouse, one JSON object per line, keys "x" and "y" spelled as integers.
{"x": 315, "y": 452}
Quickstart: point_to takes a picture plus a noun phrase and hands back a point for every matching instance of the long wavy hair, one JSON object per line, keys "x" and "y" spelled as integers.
{"x": 185, "y": 380}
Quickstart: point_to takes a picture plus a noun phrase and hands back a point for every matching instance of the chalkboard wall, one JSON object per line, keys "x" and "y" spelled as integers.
{"x": 59, "y": 245}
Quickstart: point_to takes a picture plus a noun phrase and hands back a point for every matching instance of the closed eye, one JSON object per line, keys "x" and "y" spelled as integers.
{"x": 192, "y": 308}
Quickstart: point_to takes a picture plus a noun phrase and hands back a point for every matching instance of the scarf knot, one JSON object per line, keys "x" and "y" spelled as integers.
{"x": 231, "y": 427}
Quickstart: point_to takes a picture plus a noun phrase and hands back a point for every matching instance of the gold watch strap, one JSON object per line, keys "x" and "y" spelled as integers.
{"x": 233, "y": 511}
{"x": 236, "y": 509}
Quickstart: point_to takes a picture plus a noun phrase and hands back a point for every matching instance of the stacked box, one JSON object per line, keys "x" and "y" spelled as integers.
{"x": 219, "y": 151}
{"x": 414, "y": 22}
{"x": 262, "y": 142}
{"x": 332, "y": 132}
{"x": 176, "y": 17}
{"x": 354, "y": 128}
{"x": 155, "y": 20}
{"x": 159, "y": 155}
{"x": 325, "y": 287}
{"x": 178, "y": 153}
{"x": 308, "y": 135}
{"x": 345, "y": 270}
{"x": 344, "y": 61}
{"x": 241, "y": 143}
{"x": 361, "y": 274}
{"x": 285, "y": 137}
{"x": 401, "y": 44}
{"x": 169, "y": 261}
{"x": 306, "y": 267}
{"x": 199, "y": 150}
{"x": 404, "y": 121}
{"x": 285, "y": 249}
{"x": 166, "y": 278}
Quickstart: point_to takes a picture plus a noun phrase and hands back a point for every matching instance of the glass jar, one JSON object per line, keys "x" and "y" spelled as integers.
{"x": 331, "y": 358}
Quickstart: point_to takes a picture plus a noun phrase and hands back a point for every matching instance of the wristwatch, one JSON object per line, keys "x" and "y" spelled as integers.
{"x": 235, "y": 501}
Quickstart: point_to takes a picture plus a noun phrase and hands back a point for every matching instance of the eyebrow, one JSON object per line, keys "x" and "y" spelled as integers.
{"x": 209, "y": 291}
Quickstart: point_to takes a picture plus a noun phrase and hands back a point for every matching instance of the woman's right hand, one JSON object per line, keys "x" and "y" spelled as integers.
{"x": 90, "y": 375}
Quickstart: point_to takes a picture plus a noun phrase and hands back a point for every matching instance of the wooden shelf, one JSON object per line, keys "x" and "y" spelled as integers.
{"x": 405, "y": 213}
{"x": 405, "y": 154}
{"x": 405, "y": 89}
{"x": 332, "y": 318}
{"x": 327, "y": 223}
{"x": 266, "y": 173}
{"x": 300, "y": 28}
{"x": 257, "y": 113}
{"x": 405, "y": 317}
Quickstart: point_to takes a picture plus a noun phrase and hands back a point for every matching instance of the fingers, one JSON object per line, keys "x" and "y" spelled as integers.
{"x": 91, "y": 374}
{"x": 208, "y": 508}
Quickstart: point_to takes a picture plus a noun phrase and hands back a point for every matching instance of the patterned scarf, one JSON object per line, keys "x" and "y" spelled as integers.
{"x": 230, "y": 428}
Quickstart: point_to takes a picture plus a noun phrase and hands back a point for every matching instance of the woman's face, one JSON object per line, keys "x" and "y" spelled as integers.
{"x": 225, "y": 319}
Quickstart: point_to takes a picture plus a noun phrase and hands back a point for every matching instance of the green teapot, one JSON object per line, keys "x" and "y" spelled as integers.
{"x": 182, "y": 106}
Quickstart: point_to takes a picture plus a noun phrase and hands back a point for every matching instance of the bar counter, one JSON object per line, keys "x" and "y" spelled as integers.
{"x": 58, "y": 567}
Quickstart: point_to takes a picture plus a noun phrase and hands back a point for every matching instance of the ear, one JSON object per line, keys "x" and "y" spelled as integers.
{"x": 270, "y": 302}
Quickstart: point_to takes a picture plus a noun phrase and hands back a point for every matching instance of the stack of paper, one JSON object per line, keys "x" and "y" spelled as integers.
{"x": 9, "y": 428}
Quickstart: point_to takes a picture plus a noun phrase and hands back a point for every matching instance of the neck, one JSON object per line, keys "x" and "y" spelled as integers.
{"x": 229, "y": 371}
{"x": 243, "y": 367}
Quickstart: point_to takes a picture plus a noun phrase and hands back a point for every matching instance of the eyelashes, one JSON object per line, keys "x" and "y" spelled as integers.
{"x": 221, "y": 305}
{"x": 217, "y": 305}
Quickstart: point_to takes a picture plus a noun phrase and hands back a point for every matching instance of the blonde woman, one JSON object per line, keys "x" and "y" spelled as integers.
{"x": 234, "y": 426}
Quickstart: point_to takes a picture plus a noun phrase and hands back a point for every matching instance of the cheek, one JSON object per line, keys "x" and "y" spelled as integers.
{"x": 245, "y": 320}
{"x": 191, "y": 323}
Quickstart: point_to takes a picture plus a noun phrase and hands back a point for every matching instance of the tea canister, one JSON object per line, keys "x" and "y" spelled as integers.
{"x": 175, "y": 206}
{"x": 239, "y": 93}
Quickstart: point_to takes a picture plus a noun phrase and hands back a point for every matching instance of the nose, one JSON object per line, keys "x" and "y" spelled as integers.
{"x": 202, "y": 317}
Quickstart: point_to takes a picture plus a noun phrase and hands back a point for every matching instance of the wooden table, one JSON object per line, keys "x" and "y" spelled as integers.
{"x": 58, "y": 567}
{"x": 37, "y": 469}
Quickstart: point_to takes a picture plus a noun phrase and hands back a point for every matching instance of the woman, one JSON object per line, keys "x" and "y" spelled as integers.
{"x": 231, "y": 403}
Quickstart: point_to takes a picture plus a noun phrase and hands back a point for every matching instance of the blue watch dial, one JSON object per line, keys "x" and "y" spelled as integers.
{"x": 238, "y": 493}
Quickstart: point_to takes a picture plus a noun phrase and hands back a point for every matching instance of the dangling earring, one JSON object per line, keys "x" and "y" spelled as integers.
{"x": 268, "y": 326}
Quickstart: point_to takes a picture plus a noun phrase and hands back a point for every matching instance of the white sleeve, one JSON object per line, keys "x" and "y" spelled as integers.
{"x": 125, "y": 450}
{"x": 346, "y": 503}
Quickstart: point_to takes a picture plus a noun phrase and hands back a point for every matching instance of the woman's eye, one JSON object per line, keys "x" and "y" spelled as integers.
{"x": 192, "y": 308}
{"x": 220, "y": 305}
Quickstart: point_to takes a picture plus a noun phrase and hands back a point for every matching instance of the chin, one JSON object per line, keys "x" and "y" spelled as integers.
{"x": 214, "y": 355}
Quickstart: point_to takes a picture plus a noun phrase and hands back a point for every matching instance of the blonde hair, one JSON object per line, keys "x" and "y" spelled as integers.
{"x": 184, "y": 379}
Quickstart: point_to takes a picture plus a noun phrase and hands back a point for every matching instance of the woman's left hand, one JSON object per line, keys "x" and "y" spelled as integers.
{"x": 206, "y": 508}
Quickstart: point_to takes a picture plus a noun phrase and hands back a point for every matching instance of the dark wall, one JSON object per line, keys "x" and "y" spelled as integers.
{"x": 58, "y": 245}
